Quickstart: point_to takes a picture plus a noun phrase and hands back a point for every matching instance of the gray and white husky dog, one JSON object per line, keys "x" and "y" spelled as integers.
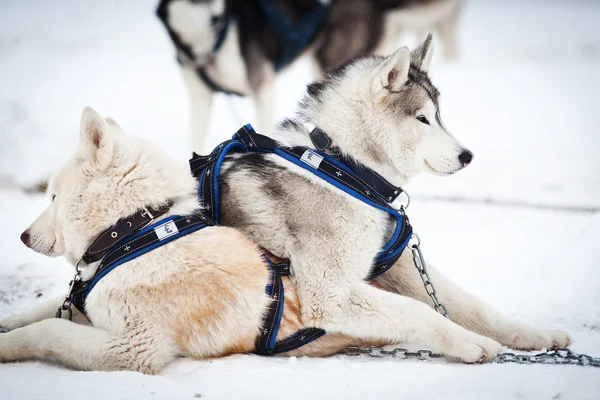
{"x": 383, "y": 112}
{"x": 246, "y": 59}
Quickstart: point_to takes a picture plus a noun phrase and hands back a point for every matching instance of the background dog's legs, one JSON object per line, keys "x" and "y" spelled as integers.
{"x": 447, "y": 28}
{"x": 262, "y": 83}
{"x": 467, "y": 310}
{"x": 367, "y": 312}
{"x": 84, "y": 347}
{"x": 42, "y": 311}
{"x": 201, "y": 98}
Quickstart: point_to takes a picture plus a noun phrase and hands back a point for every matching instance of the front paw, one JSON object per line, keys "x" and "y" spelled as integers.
{"x": 470, "y": 347}
{"x": 538, "y": 339}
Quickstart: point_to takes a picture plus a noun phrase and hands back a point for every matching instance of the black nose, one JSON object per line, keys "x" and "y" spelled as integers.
{"x": 465, "y": 157}
{"x": 25, "y": 238}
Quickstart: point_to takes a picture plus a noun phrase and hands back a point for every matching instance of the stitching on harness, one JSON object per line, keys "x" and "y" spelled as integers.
{"x": 250, "y": 136}
{"x": 276, "y": 300}
{"x": 145, "y": 245}
{"x": 142, "y": 236}
{"x": 358, "y": 178}
{"x": 111, "y": 245}
{"x": 291, "y": 345}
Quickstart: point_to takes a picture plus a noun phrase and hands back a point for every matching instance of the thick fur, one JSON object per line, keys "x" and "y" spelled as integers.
{"x": 384, "y": 113}
{"x": 193, "y": 297}
{"x": 245, "y": 63}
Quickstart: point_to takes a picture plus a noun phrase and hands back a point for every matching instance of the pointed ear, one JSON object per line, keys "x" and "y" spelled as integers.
{"x": 422, "y": 55}
{"x": 96, "y": 140}
{"x": 392, "y": 73}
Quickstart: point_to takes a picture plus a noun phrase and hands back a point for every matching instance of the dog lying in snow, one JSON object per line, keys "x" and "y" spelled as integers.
{"x": 382, "y": 113}
{"x": 201, "y": 296}
{"x": 197, "y": 298}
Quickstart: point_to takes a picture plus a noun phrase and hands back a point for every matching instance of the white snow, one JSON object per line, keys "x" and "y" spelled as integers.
{"x": 523, "y": 96}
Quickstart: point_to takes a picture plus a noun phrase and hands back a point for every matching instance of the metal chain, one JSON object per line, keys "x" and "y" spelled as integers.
{"x": 551, "y": 357}
{"x": 422, "y": 268}
{"x": 556, "y": 357}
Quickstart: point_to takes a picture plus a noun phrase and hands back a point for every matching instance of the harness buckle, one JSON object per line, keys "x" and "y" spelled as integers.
{"x": 147, "y": 212}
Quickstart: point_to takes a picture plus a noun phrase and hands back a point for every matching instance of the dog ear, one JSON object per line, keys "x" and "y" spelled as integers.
{"x": 422, "y": 55}
{"x": 392, "y": 73}
{"x": 96, "y": 140}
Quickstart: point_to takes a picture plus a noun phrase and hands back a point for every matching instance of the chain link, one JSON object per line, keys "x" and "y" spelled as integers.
{"x": 555, "y": 357}
{"x": 551, "y": 357}
{"x": 419, "y": 261}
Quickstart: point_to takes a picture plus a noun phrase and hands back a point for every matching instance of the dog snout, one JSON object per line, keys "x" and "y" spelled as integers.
{"x": 25, "y": 237}
{"x": 465, "y": 157}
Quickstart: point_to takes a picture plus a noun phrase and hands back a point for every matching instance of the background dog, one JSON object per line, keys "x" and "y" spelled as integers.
{"x": 239, "y": 46}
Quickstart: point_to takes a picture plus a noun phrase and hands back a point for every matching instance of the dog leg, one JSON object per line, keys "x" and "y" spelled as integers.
{"x": 469, "y": 311}
{"x": 200, "y": 108}
{"x": 263, "y": 93}
{"x": 43, "y": 311}
{"x": 84, "y": 347}
{"x": 447, "y": 28}
{"x": 369, "y": 313}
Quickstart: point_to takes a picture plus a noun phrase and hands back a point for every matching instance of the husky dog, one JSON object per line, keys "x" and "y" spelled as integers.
{"x": 234, "y": 46}
{"x": 194, "y": 297}
{"x": 382, "y": 112}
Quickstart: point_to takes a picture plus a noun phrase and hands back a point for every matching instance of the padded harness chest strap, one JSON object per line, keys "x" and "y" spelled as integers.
{"x": 140, "y": 243}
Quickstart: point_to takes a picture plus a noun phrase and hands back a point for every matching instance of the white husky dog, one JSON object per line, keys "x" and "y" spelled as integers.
{"x": 382, "y": 113}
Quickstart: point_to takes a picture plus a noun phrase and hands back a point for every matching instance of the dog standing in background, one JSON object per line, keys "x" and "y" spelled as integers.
{"x": 239, "y": 46}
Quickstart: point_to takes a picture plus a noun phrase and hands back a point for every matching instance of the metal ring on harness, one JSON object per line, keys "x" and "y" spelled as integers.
{"x": 414, "y": 236}
{"x": 402, "y": 206}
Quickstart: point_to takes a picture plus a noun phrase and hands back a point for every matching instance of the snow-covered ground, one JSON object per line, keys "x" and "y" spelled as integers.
{"x": 523, "y": 96}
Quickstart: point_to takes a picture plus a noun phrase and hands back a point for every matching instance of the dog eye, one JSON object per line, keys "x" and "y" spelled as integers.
{"x": 53, "y": 197}
{"x": 422, "y": 119}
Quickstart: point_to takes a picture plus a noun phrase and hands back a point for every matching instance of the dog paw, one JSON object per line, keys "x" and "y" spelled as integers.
{"x": 473, "y": 348}
{"x": 538, "y": 339}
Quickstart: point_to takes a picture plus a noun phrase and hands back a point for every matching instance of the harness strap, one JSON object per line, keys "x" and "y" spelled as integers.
{"x": 212, "y": 85}
{"x": 293, "y": 39}
{"x": 388, "y": 191}
{"x": 124, "y": 228}
{"x": 266, "y": 343}
{"x": 140, "y": 243}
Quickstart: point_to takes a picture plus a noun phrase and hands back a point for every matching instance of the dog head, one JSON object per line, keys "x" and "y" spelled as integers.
{"x": 111, "y": 175}
{"x": 194, "y": 25}
{"x": 384, "y": 111}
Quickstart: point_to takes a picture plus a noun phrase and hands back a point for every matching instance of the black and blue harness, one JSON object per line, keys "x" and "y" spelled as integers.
{"x": 138, "y": 234}
{"x": 293, "y": 38}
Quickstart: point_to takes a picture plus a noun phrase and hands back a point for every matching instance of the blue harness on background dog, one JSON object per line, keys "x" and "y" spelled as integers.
{"x": 293, "y": 39}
